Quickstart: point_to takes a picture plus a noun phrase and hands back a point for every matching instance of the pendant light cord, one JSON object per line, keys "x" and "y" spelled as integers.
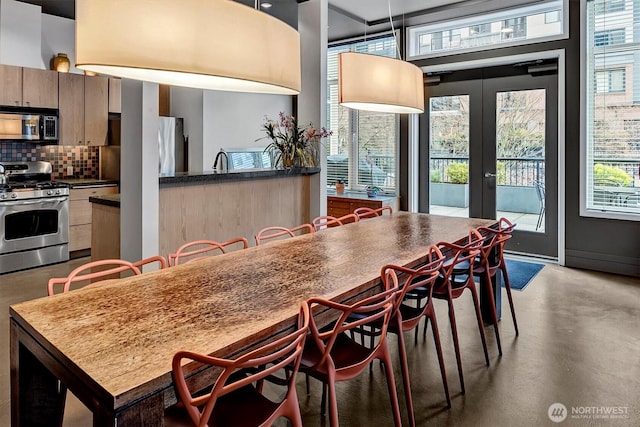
{"x": 393, "y": 30}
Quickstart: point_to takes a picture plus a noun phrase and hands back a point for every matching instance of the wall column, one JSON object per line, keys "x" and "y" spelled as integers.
{"x": 139, "y": 183}
{"x": 312, "y": 101}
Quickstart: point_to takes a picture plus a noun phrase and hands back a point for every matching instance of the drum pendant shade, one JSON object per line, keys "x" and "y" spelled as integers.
{"x": 378, "y": 83}
{"x": 208, "y": 44}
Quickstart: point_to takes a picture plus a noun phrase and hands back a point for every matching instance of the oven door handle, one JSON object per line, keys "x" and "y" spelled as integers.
{"x": 27, "y": 202}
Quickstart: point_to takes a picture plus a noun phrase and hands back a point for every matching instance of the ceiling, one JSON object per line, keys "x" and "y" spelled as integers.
{"x": 369, "y": 10}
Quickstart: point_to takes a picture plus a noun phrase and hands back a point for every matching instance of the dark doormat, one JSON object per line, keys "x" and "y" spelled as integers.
{"x": 521, "y": 272}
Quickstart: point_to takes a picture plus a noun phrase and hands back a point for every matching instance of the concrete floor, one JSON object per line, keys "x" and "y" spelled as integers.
{"x": 579, "y": 345}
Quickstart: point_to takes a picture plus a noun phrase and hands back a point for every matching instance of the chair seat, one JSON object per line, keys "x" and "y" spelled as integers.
{"x": 344, "y": 353}
{"x": 230, "y": 410}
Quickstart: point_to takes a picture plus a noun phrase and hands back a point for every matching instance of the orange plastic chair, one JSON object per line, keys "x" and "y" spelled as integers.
{"x": 364, "y": 213}
{"x": 234, "y": 400}
{"x": 84, "y": 273}
{"x": 200, "y": 249}
{"x": 276, "y": 233}
{"x": 324, "y": 221}
{"x": 407, "y": 314}
{"x": 456, "y": 276}
{"x": 492, "y": 259}
{"x": 332, "y": 355}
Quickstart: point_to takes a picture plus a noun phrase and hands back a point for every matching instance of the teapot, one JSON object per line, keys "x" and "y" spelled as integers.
{"x": 3, "y": 177}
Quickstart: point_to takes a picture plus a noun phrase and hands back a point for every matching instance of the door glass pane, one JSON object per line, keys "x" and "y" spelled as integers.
{"x": 520, "y": 166}
{"x": 449, "y": 155}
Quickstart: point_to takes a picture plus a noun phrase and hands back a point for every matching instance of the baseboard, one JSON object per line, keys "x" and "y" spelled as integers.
{"x": 626, "y": 266}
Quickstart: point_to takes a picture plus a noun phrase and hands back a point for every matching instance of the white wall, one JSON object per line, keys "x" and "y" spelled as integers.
{"x": 233, "y": 119}
{"x": 188, "y": 104}
{"x": 59, "y": 36}
{"x": 20, "y": 34}
{"x": 218, "y": 119}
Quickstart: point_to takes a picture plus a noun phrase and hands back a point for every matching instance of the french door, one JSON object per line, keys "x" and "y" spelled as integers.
{"x": 488, "y": 149}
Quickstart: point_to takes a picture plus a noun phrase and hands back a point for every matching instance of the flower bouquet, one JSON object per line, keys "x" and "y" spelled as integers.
{"x": 293, "y": 145}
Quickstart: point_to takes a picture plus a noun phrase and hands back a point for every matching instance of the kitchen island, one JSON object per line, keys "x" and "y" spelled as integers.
{"x": 216, "y": 206}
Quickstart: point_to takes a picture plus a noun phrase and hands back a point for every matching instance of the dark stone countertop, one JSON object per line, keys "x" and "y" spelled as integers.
{"x": 86, "y": 182}
{"x": 106, "y": 199}
{"x": 181, "y": 178}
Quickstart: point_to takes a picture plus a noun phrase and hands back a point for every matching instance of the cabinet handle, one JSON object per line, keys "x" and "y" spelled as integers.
{"x": 88, "y": 142}
{"x": 17, "y": 103}
{"x": 28, "y": 104}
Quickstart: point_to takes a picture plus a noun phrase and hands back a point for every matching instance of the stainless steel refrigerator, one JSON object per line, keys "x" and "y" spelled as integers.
{"x": 172, "y": 145}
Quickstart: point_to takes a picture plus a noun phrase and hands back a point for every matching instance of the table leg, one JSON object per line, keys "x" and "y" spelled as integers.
{"x": 496, "y": 285}
{"x": 36, "y": 397}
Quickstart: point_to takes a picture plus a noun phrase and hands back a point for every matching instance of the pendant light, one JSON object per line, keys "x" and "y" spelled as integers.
{"x": 208, "y": 44}
{"x": 379, "y": 83}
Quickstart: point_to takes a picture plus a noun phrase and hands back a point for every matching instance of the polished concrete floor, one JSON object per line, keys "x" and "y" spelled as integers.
{"x": 579, "y": 345}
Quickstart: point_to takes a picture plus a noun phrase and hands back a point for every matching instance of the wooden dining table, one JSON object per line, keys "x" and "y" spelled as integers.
{"x": 112, "y": 345}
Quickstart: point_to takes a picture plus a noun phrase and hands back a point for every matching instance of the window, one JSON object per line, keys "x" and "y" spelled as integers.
{"x": 610, "y": 81}
{"x": 611, "y": 175}
{"x": 609, "y": 37}
{"x": 610, "y": 6}
{"x": 551, "y": 17}
{"x": 363, "y": 148}
{"x": 520, "y": 25}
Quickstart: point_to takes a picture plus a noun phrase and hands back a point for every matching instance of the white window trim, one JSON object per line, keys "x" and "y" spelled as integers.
{"x": 584, "y": 211}
{"x": 446, "y": 25}
{"x": 558, "y": 54}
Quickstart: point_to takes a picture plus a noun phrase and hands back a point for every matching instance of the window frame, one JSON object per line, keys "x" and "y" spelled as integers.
{"x": 606, "y": 212}
{"x": 415, "y": 32}
{"x": 353, "y": 151}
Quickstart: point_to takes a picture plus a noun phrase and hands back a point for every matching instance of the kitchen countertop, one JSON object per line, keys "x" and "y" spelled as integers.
{"x": 181, "y": 178}
{"x": 107, "y": 200}
{"x": 86, "y": 182}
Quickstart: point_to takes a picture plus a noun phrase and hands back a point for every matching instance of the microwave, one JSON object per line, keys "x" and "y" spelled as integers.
{"x": 29, "y": 127}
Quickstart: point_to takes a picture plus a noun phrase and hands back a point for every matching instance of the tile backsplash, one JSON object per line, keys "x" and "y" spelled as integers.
{"x": 85, "y": 160}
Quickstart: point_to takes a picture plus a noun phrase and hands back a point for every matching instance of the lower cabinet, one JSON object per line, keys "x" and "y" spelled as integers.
{"x": 80, "y": 214}
{"x": 345, "y": 204}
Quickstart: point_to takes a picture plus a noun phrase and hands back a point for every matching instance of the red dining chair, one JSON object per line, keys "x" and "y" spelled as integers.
{"x": 493, "y": 259}
{"x": 324, "y": 221}
{"x": 238, "y": 396}
{"x": 364, "y": 212}
{"x": 109, "y": 268}
{"x": 203, "y": 248}
{"x": 331, "y": 355}
{"x": 278, "y": 233}
{"x": 456, "y": 275}
{"x": 408, "y": 314}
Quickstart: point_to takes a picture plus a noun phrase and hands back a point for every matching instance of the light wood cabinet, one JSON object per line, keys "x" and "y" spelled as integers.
{"x": 39, "y": 88}
{"x": 80, "y": 214}
{"x": 115, "y": 95}
{"x": 345, "y": 204}
{"x": 83, "y": 109}
{"x": 28, "y": 87}
{"x": 10, "y": 85}
{"x": 96, "y": 110}
{"x": 71, "y": 110}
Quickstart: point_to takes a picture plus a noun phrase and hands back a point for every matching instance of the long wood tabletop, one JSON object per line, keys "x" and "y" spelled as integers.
{"x": 112, "y": 345}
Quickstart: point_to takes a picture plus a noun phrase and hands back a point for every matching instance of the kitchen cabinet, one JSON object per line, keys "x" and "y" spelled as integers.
{"x": 80, "y": 214}
{"x": 84, "y": 104}
{"x": 344, "y": 204}
{"x": 115, "y": 95}
{"x": 28, "y": 87}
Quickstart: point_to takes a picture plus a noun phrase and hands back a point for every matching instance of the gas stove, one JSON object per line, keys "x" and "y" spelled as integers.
{"x": 30, "y": 180}
{"x": 34, "y": 217}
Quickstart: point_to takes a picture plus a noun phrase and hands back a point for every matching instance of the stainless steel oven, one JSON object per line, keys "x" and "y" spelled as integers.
{"x": 34, "y": 221}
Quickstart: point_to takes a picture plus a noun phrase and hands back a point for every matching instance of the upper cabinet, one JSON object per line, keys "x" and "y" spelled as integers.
{"x": 115, "y": 88}
{"x": 84, "y": 103}
{"x": 28, "y": 87}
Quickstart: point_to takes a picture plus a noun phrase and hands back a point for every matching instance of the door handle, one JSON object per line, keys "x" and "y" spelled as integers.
{"x": 490, "y": 175}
